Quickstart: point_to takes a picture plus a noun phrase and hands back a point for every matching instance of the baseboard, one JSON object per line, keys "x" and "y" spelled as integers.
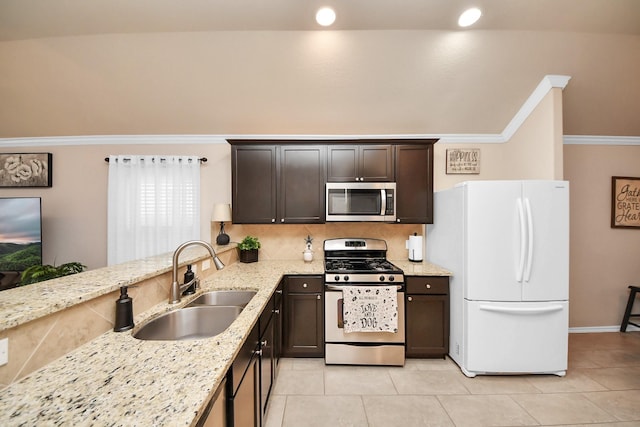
{"x": 598, "y": 329}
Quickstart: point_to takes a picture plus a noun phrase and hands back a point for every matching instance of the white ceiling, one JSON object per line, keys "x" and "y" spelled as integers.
{"x": 24, "y": 19}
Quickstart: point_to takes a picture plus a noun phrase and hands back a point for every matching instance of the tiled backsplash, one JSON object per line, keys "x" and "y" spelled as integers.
{"x": 287, "y": 241}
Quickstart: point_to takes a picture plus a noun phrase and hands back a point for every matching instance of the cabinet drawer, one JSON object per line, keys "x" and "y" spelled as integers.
{"x": 427, "y": 284}
{"x": 310, "y": 284}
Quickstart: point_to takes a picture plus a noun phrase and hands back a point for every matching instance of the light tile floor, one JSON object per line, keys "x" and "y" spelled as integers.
{"x": 601, "y": 388}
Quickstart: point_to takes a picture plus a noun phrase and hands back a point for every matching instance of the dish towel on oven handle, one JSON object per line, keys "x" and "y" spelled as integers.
{"x": 370, "y": 308}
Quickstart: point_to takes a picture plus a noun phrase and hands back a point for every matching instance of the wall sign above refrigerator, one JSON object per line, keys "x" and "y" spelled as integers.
{"x": 463, "y": 161}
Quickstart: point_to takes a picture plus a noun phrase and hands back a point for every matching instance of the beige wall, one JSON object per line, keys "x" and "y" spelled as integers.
{"x": 74, "y": 209}
{"x": 534, "y": 151}
{"x": 604, "y": 260}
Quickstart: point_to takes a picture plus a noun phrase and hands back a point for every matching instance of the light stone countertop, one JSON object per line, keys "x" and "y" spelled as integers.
{"x": 118, "y": 380}
{"x": 24, "y": 304}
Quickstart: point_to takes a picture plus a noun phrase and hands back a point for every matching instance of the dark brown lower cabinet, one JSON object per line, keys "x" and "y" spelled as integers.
{"x": 427, "y": 316}
{"x": 303, "y": 323}
{"x": 253, "y": 372}
{"x": 215, "y": 415}
{"x": 243, "y": 385}
{"x": 267, "y": 365}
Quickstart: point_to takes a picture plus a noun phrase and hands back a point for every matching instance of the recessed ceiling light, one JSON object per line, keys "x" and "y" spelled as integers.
{"x": 469, "y": 17}
{"x": 325, "y": 16}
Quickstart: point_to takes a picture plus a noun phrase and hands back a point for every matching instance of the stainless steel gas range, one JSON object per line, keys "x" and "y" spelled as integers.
{"x": 359, "y": 264}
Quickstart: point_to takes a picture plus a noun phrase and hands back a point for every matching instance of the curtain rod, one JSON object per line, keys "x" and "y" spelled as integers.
{"x": 201, "y": 159}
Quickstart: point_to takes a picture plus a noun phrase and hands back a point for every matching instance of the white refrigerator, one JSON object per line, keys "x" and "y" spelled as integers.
{"x": 507, "y": 245}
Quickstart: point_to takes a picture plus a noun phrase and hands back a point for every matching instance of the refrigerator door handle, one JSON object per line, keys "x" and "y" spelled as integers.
{"x": 527, "y": 273}
{"x": 523, "y": 241}
{"x": 522, "y": 310}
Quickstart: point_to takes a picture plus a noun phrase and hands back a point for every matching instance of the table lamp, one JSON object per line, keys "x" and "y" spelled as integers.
{"x": 222, "y": 213}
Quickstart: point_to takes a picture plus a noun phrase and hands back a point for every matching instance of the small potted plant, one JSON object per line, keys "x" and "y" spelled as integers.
{"x": 248, "y": 248}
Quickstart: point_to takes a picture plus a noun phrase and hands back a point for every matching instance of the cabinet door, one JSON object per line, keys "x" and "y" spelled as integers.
{"x": 253, "y": 170}
{"x": 342, "y": 163}
{"x": 215, "y": 415}
{"x": 349, "y": 163}
{"x": 414, "y": 178}
{"x": 427, "y": 334}
{"x": 303, "y": 328}
{"x": 301, "y": 189}
{"x": 246, "y": 402}
{"x": 376, "y": 163}
{"x": 278, "y": 314}
{"x": 266, "y": 367}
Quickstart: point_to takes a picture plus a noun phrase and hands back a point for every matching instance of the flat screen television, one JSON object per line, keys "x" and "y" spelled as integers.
{"x": 20, "y": 237}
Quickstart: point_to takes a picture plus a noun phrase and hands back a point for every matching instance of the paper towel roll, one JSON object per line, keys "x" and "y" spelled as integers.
{"x": 414, "y": 245}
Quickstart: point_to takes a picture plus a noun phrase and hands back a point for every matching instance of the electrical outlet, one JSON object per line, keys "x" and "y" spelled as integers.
{"x": 4, "y": 351}
{"x": 206, "y": 264}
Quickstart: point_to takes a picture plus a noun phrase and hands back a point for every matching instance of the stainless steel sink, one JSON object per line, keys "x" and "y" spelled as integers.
{"x": 218, "y": 298}
{"x": 189, "y": 323}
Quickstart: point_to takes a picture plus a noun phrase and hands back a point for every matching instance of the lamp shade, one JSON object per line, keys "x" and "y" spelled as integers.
{"x": 221, "y": 212}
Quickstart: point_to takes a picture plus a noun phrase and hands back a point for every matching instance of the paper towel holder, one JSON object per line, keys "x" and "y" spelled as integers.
{"x": 414, "y": 245}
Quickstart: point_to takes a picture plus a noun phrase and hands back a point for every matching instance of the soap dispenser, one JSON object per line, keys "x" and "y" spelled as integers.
{"x": 124, "y": 311}
{"x": 189, "y": 276}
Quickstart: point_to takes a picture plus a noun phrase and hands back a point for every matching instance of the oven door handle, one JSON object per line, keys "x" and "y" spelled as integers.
{"x": 339, "y": 288}
{"x": 340, "y": 313}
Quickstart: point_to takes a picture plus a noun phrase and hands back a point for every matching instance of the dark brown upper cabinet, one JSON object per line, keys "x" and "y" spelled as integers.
{"x": 350, "y": 163}
{"x": 414, "y": 183}
{"x": 254, "y": 182}
{"x": 278, "y": 183}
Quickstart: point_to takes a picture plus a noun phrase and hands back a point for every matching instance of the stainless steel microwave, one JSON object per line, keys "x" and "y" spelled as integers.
{"x": 361, "y": 201}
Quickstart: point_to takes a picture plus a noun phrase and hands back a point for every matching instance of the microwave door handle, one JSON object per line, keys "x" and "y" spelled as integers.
{"x": 383, "y": 202}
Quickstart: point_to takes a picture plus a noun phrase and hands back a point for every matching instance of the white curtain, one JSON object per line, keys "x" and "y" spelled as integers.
{"x": 153, "y": 205}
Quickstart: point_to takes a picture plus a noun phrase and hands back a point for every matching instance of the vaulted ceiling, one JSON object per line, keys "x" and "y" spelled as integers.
{"x": 78, "y": 67}
{"x": 21, "y": 19}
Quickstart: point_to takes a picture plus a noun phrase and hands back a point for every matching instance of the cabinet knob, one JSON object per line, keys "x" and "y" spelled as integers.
{"x": 278, "y": 291}
{"x": 282, "y": 220}
{"x": 273, "y": 220}
{"x": 264, "y": 343}
{"x": 409, "y": 299}
{"x": 428, "y": 285}
{"x": 258, "y": 353}
{"x": 318, "y": 296}
{"x": 276, "y": 311}
{"x": 398, "y": 220}
{"x": 304, "y": 285}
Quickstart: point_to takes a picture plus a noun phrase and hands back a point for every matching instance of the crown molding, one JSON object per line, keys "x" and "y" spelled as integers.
{"x": 600, "y": 140}
{"x": 111, "y": 140}
{"x": 548, "y": 83}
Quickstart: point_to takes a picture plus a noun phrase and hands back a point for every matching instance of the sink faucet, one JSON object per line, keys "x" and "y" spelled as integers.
{"x": 177, "y": 288}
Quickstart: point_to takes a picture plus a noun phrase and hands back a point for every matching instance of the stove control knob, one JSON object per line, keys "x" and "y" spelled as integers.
{"x": 381, "y": 278}
{"x": 346, "y": 278}
{"x": 336, "y": 278}
{"x": 391, "y": 278}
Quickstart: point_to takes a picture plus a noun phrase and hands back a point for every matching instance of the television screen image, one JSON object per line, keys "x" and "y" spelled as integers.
{"x": 20, "y": 237}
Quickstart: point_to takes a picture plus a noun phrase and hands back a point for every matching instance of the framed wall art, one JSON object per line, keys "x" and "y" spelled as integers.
{"x": 625, "y": 202}
{"x": 463, "y": 161}
{"x": 25, "y": 170}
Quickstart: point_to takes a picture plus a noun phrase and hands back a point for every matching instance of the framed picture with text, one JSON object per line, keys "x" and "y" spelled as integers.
{"x": 625, "y": 202}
